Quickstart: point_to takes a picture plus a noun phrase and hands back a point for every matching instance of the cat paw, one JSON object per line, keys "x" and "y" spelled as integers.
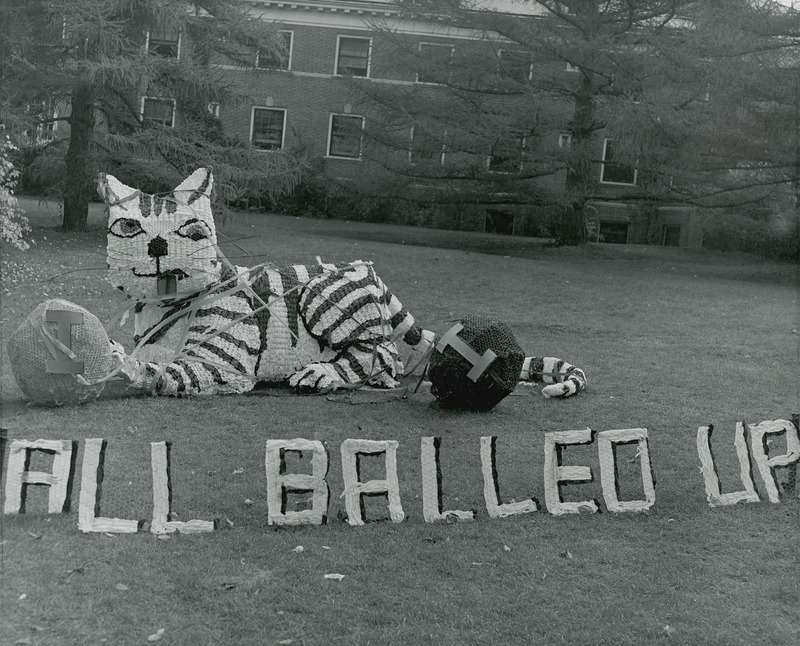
{"x": 315, "y": 378}
{"x": 574, "y": 383}
{"x": 117, "y": 351}
{"x": 383, "y": 380}
{"x": 121, "y": 364}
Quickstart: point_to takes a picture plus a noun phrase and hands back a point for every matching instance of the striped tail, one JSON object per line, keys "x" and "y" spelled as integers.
{"x": 563, "y": 379}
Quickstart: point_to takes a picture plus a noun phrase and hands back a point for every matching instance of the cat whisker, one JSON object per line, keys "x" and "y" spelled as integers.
{"x": 88, "y": 250}
{"x": 72, "y": 271}
{"x": 230, "y": 240}
{"x": 247, "y": 256}
{"x": 201, "y": 250}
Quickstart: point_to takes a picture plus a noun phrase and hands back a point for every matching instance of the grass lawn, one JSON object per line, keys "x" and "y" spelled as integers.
{"x": 670, "y": 339}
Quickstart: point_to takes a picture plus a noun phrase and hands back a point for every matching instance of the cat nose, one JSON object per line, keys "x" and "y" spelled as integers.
{"x": 158, "y": 247}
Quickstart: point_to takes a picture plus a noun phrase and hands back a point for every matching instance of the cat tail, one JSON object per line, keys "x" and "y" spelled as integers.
{"x": 563, "y": 379}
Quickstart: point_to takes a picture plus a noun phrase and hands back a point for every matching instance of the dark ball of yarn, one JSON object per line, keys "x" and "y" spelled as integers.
{"x": 448, "y": 369}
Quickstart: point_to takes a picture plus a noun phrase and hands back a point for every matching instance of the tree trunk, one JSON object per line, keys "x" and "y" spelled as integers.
{"x": 78, "y": 181}
{"x": 571, "y": 226}
{"x": 580, "y": 173}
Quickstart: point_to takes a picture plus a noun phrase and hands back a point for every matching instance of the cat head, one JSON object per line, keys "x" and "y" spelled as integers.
{"x": 161, "y": 245}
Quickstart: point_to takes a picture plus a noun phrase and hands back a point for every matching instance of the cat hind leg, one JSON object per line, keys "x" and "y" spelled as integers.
{"x": 562, "y": 378}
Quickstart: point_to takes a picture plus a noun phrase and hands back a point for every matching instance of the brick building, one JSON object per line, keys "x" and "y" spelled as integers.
{"x": 303, "y": 99}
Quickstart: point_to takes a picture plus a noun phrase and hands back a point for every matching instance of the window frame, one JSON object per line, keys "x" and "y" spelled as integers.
{"x": 289, "y": 52}
{"x": 615, "y": 225}
{"x": 604, "y": 163}
{"x": 522, "y": 139}
{"x": 329, "y": 151}
{"x": 452, "y": 49}
{"x": 509, "y": 77}
{"x": 47, "y": 125}
{"x": 177, "y": 44}
{"x": 162, "y": 99}
{"x": 253, "y": 110}
{"x": 337, "y": 61}
{"x": 665, "y": 229}
{"x": 412, "y": 151}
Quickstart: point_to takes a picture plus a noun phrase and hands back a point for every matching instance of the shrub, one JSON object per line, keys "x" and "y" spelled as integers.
{"x": 13, "y": 224}
{"x": 778, "y": 240}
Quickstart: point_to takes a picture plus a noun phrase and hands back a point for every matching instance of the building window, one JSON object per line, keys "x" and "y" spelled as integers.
{"x": 344, "y": 137}
{"x": 425, "y": 147}
{"x": 507, "y": 154}
{"x": 613, "y": 232}
{"x": 515, "y": 66}
{"x": 44, "y": 115}
{"x": 499, "y": 222}
{"x": 611, "y": 173}
{"x": 671, "y": 235}
{"x": 352, "y": 56}
{"x": 164, "y": 42}
{"x": 437, "y": 59}
{"x": 280, "y": 58}
{"x": 267, "y": 128}
{"x": 160, "y": 111}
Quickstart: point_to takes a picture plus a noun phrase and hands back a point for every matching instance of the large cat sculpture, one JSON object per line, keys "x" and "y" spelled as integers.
{"x": 203, "y": 326}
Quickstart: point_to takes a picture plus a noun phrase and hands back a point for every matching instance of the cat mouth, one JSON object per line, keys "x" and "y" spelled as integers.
{"x": 166, "y": 282}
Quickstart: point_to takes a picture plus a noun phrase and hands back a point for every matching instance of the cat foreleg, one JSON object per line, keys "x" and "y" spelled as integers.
{"x": 563, "y": 379}
{"x": 210, "y": 363}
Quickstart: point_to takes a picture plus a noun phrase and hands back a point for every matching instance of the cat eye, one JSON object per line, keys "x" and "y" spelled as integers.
{"x": 194, "y": 230}
{"x": 126, "y": 228}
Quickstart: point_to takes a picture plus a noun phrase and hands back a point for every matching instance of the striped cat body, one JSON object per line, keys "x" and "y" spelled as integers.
{"x": 203, "y": 327}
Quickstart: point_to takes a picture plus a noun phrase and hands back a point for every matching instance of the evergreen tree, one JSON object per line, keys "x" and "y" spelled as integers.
{"x": 91, "y": 63}
{"x": 673, "y": 91}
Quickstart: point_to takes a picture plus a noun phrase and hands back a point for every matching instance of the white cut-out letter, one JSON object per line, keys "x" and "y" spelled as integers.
{"x": 89, "y": 507}
{"x": 354, "y": 489}
{"x": 280, "y": 483}
{"x": 606, "y": 449}
{"x": 491, "y": 487}
{"x": 709, "y": 470}
{"x": 19, "y": 477}
{"x": 432, "y": 485}
{"x": 555, "y": 473}
{"x": 765, "y": 464}
{"x": 162, "y": 497}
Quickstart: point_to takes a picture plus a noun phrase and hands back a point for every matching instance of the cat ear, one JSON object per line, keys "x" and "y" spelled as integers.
{"x": 197, "y": 185}
{"x": 112, "y": 190}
